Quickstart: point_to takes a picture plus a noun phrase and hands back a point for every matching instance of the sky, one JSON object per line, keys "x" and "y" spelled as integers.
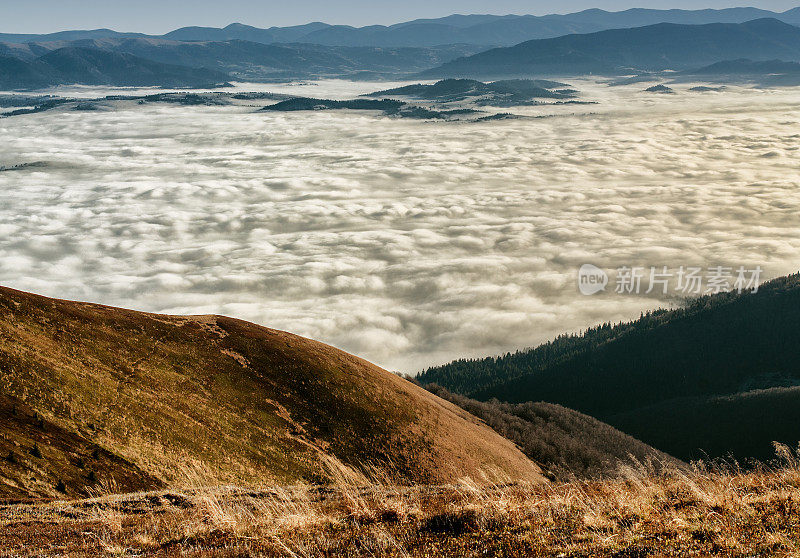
{"x": 160, "y": 16}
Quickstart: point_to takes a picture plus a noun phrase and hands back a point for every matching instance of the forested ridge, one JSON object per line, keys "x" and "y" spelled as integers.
{"x": 629, "y": 374}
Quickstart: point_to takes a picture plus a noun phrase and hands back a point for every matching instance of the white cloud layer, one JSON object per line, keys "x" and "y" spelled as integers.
{"x": 406, "y": 242}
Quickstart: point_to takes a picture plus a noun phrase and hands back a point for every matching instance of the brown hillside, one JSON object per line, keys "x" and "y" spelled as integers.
{"x": 136, "y": 398}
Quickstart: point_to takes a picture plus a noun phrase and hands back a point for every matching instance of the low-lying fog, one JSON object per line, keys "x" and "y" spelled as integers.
{"x": 407, "y": 242}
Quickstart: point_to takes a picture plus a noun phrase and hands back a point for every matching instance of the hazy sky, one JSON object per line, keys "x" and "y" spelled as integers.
{"x": 159, "y": 16}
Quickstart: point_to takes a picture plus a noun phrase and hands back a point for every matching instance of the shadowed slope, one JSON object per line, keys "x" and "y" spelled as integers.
{"x": 566, "y": 443}
{"x": 249, "y": 403}
{"x": 93, "y": 66}
{"x": 38, "y": 458}
{"x": 693, "y": 381}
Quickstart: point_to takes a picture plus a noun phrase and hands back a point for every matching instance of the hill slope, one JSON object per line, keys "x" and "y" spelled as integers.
{"x": 254, "y": 405}
{"x": 651, "y": 48}
{"x": 91, "y": 66}
{"x": 687, "y": 381}
{"x": 248, "y": 60}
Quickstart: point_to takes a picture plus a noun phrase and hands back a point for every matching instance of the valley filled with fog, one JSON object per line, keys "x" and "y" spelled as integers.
{"x": 407, "y": 242}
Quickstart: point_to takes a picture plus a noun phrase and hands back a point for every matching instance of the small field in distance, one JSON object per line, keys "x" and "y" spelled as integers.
{"x": 688, "y": 513}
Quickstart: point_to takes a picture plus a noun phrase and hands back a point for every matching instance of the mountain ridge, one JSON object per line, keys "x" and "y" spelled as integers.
{"x": 250, "y": 61}
{"x": 659, "y": 47}
{"x": 479, "y": 29}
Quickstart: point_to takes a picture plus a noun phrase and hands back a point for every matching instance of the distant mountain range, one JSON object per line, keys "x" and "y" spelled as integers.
{"x": 486, "y": 30}
{"x": 100, "y": 67}
{"x": 664, "y": 46}
{"x": 719, "y": 377}
{"x": 197, "y": 57}
{"x": 251, "y": 61}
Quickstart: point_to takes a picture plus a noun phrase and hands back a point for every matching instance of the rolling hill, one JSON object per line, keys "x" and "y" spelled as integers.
{"x": 508, "y": 92}
{"x": 744, "y": 66}
{"x": 658, "y": 47}
{"x": 97, "y": 395}
{"x": 248, "y": 60}
{"x": 488, "y": 30}
{"x": 88, "y": 66}
{"x": 717, "y": 377}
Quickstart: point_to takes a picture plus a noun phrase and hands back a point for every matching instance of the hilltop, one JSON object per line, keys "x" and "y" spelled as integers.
{"x": 102, "y": 396}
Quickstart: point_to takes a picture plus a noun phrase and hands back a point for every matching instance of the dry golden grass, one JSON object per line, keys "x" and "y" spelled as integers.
{"x": 699, "y": 512}
{"x": 128, "y": 395}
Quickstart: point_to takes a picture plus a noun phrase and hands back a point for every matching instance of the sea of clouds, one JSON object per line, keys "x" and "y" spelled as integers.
{"x": 407, "y": 242}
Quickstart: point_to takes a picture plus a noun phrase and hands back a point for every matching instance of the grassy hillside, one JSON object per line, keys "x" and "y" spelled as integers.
{"x": 249, "y": 404}
{"x": 39, "y": 457}
{"x": 565, "y": 443}
{"x": 629, "y": 374}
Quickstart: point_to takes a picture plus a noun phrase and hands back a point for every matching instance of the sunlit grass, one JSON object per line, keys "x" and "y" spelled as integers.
{"x": 695, "y": 512}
